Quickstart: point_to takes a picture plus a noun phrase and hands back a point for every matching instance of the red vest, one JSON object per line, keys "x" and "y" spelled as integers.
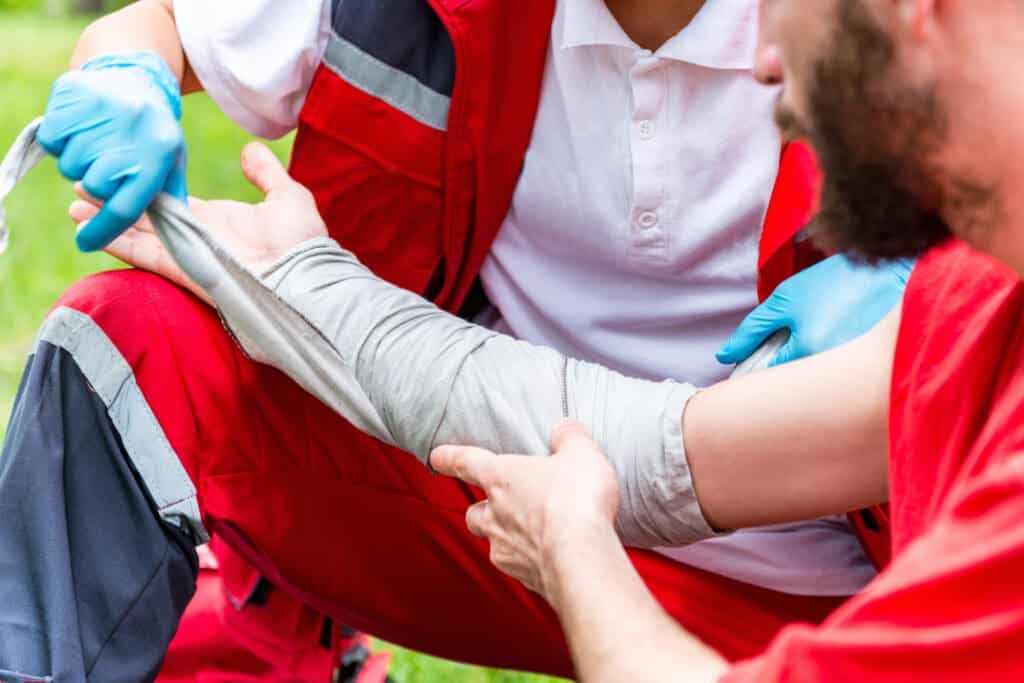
{"x": 420, "y": 201}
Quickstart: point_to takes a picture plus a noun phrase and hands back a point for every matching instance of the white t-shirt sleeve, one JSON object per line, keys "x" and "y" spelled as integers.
{"x": 255, "y": 58}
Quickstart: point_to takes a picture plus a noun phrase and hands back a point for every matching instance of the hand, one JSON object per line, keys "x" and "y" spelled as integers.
{"x": 824, "y": 306}
{"x": 535, "y": 506}
{"x": 256, "y": 234}
{"x": 114, "y": 126}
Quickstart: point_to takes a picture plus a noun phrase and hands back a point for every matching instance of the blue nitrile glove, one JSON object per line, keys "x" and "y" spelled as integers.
{"x": 824, "y": 306}
{"x": 114, "y": 125}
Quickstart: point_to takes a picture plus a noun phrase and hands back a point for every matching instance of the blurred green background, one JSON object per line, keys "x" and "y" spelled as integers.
{"x": 60, "y": 8}
{"x": 36, "y": 39}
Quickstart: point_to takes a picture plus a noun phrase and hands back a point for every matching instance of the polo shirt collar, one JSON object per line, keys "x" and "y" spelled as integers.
{"x": 723, "y": 35}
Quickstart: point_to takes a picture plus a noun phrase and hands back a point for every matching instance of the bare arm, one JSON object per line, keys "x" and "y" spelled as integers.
{"x": 593, "y": 586}
{"x": 143, "y": 25}
{"x": 799, "y": 441}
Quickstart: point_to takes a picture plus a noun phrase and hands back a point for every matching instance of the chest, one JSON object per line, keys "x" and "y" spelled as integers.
{"x": 641, "y": 161}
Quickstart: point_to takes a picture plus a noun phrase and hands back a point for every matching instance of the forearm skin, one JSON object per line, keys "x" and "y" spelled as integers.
{"x": 799, "y": 441}
{"x": 591, "y": 584}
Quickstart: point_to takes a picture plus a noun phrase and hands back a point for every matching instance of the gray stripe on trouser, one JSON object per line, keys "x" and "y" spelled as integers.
{"x": 397, "y": 88}
{"x": 12, "y": 677}
{"x": 144, "y": 440}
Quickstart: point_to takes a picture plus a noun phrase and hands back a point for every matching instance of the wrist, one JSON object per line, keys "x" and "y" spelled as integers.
{"x": 148, "y": 62}
{"x": 564, "y": 547}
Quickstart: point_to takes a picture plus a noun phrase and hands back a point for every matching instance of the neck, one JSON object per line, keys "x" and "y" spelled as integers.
{"x": 989, "y": 156}
{"x": 1004, "y": 171}
{"x": 999, "y": 229}
{"x": 650, "y": 23}
{"x": 987, "y": 132}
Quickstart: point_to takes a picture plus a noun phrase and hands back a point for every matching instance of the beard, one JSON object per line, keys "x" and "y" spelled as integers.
{"x": 882, "y": 195}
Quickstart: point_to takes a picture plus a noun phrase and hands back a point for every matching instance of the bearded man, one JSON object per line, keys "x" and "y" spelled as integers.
{"x": 908, "y": 106}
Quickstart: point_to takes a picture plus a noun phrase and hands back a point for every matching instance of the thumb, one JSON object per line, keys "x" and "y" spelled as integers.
{"x": 789, "y": 352}
{"x": 569, "y": 432}
{"x": 748, "y": 337}
{"x": 263, "y": 169}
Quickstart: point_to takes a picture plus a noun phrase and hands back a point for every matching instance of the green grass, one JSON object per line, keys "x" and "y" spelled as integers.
{"x": 42, "y": 260}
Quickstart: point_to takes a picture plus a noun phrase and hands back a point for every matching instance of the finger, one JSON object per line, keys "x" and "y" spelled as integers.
{"x": 762, "y": 322}
{"x": 121, "y": 211}
{"x": 142, "y": 250}
{"x": 66, "y": 114}
{"x": 87, "y": 207}
{"x": 84, "y": 195}
{"x": 471, "y": 465}
{"x": 145, "y": 250}
{"x": 567, "y": 433}
{"x": 790, "y": 351}
{"x": 478, "y": 518}
{"x": 194, "y": 203}
{"x": 263, "y": 169}
{"x": 79, "y": 153}
{"x": 105, "y": 176}
{"x": 82, "y": 211}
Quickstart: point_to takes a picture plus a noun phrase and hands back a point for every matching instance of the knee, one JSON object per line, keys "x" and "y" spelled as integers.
{"x": 160, "y": 330}
{"x": 156, "y": 353}
{"x": 133, "y": 302}
{"x": 143, "y": 316}
{"x": 103, "y": 362}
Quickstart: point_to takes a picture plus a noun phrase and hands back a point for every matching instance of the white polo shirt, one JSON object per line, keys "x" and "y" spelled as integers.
{"x": 633, "y": 231}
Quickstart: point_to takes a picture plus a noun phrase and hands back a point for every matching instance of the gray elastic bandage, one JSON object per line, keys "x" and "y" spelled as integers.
{"x": 416, "y": 377}
{"x": 435, "y": 379}
{"x": 24, "y": 154}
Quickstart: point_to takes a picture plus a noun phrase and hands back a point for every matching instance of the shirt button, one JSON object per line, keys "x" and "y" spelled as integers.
{"x": 647, "y": 220}
{"x": 646, "y": 130}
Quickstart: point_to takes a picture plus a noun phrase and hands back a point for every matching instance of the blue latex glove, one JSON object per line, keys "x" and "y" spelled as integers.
{"x": 824, "y": 306}
{"x": 114, "y": 126}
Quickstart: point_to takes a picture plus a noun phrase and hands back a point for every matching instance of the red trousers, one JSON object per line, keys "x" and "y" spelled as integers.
{"x": 360, "y": 531}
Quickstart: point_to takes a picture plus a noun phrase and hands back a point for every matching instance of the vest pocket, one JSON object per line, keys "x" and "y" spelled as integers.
{"x": 373, "y": 135}
{"x": 391, "y": 220}
{"x": 374, "y": 127}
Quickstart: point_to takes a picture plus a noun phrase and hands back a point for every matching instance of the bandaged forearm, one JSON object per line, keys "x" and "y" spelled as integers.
{"x": 416, "y": 377}
{"x": 436, "y": 379}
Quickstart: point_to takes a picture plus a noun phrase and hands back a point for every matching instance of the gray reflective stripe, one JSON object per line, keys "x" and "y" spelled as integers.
{"x": 397, "y": 88}
{"x": 12, "y": 677}
{"x": 112, "y": 378}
